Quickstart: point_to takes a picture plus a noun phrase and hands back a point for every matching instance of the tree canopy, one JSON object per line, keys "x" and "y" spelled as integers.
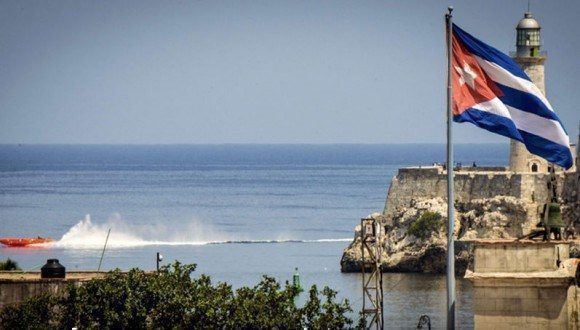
{"x": 9, "y": 264}
{"x": 172, "y": 299}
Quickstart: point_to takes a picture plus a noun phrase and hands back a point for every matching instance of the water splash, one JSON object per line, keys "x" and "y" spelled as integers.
{"x": 85, "y": 234}
{"x": 88, "y": 235}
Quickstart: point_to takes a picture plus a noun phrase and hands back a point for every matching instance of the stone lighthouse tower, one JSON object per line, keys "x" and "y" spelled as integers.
{"x": 531, "y": 60}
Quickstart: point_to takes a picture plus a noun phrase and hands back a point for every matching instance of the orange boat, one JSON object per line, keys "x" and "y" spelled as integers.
{"x": 24, "y": 241}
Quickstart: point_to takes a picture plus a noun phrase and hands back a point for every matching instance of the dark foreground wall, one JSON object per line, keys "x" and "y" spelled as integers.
{"x": 16, "y": 286}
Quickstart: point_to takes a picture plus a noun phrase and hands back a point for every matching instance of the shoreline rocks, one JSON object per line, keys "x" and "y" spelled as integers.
{"x": 501, "y": 217}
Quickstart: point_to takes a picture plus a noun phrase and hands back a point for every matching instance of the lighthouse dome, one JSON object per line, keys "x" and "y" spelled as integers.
{"x": 528, "y": 22}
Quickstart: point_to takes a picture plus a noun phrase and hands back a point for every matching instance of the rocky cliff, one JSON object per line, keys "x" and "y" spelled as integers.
{"x": 490, "y": 203}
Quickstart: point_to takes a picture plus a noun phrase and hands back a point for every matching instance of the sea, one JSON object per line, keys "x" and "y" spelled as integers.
{"x": 238, "y": 211}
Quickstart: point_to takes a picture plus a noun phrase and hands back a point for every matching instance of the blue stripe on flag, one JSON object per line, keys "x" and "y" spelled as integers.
{"x": 553, "y": 152}
{"x": 526, "y": 102}
{"x": 489, "y": 121}
{"x": 487, "y": 52}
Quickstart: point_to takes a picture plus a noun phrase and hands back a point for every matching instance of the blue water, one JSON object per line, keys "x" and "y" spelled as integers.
{"x": 238, "y": 211}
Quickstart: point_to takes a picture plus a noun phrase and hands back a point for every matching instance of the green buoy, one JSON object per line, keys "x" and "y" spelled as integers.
{"x": 296, "y": 280}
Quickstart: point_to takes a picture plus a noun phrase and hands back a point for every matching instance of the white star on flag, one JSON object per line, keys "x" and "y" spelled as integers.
{"x": 466, "y": 75}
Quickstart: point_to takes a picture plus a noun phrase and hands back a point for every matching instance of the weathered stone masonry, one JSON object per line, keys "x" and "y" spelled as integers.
{"x": 490, "y": 203}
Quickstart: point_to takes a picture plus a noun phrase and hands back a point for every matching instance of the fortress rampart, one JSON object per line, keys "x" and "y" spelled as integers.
{"x": 417, "y": 183}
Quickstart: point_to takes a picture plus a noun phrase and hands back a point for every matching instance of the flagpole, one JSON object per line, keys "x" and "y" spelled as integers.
{"x": 450, "y": 206}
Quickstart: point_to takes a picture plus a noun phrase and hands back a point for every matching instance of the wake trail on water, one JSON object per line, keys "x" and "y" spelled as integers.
{"x": 88, "y": 235}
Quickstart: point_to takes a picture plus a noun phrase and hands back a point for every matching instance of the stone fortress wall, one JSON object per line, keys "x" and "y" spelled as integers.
{"x": 417, "y": 183}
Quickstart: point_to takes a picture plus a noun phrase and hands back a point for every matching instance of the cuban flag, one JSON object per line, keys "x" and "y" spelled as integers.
{"x": 491, "y": 91}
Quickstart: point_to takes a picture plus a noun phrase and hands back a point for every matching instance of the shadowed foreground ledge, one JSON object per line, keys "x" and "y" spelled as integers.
{"x": 524, "y": 285}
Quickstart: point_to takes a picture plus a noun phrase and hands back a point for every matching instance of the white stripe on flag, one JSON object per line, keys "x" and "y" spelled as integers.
{"x": 504, "y": 77}
{"x": 547, "y": 128}
{"x": 494, "y": 106}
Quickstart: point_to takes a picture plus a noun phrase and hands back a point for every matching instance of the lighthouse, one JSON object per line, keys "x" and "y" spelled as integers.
{"x": 531, "y": 59}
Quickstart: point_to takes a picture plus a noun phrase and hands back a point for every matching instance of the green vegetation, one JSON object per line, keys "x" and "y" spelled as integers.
{"x": 9, "y": 264}
{"x": 428, "y": 223}
{"x": 172, "y": 299}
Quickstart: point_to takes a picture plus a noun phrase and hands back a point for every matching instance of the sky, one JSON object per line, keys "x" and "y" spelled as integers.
{"x": 164, "y": 72}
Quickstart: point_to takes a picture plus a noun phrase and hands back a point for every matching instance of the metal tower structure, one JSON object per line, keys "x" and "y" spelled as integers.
{"x": 372, "y": 234}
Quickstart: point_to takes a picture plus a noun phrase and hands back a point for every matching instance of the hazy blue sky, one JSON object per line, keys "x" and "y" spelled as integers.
{"x": 254, "y": 71}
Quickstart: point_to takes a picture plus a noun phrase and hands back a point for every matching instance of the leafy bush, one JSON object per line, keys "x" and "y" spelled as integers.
{"x": 428, "y": 223}
{"x": 9, "y": 264}
{"x": 173, "y": 299}
{"x": 36, "y": 313}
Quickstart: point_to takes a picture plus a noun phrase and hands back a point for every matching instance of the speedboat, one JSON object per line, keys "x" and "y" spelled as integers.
{"x": 24, "y": 241}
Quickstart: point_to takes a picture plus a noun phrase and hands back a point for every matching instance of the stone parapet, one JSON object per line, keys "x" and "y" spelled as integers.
{"x": 512, "y": 256}
{"x": 539, "y": 293}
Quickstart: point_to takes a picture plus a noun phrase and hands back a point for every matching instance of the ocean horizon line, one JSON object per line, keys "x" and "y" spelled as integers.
{"x": 253, "y": 144}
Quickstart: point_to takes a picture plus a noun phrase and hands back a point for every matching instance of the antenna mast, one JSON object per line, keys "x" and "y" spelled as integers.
{"x": 528, "y": 6}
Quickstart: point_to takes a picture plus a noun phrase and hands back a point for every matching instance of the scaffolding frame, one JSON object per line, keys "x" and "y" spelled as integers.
{"x": 372, "y": 286}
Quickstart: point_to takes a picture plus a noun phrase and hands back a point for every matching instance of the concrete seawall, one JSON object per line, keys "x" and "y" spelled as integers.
{"x": 16, "y": 286}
